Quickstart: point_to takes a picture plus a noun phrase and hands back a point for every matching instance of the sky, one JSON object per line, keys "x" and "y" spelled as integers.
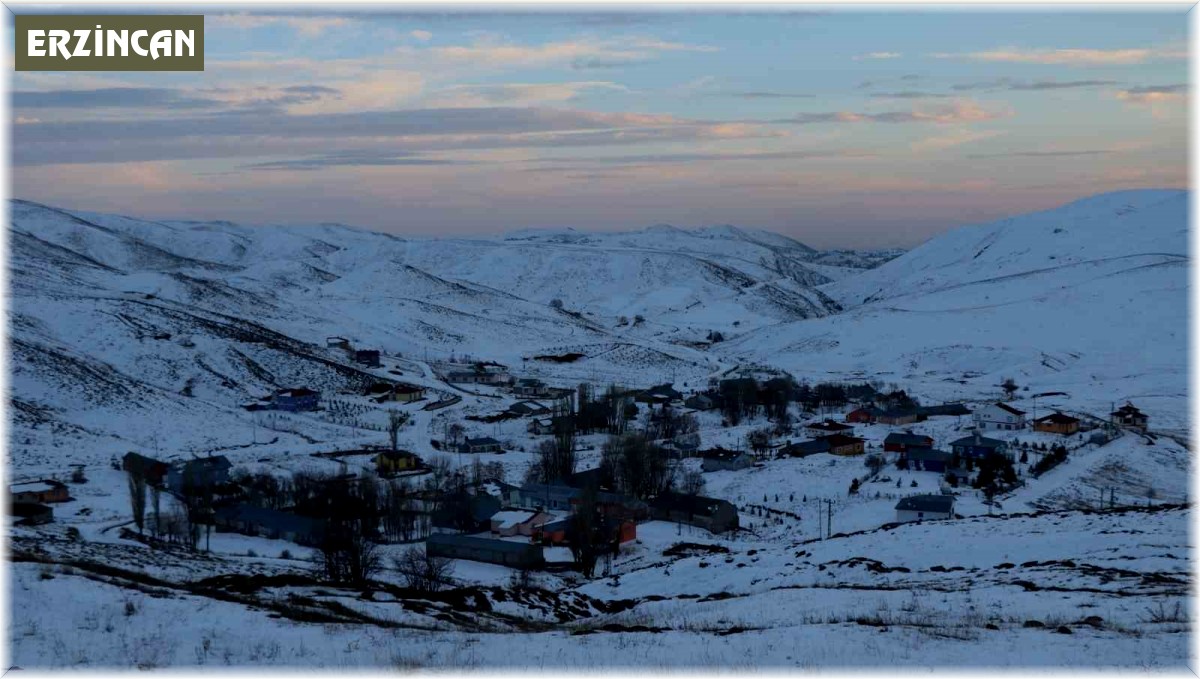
{"x": 842, "y": 128}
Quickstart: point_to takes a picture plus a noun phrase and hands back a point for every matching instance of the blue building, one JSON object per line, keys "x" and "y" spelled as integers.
{"x": 293, "y": 400}
{"x": 977, "y": 446}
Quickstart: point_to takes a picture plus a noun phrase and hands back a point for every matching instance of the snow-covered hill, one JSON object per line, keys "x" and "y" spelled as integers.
{"x": 1089, "y": 299}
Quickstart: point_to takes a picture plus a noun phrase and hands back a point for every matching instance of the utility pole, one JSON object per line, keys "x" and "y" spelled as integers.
{"x": 829, "y": 518}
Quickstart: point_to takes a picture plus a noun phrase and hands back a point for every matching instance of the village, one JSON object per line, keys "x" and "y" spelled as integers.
{"x": 465, "y": 462}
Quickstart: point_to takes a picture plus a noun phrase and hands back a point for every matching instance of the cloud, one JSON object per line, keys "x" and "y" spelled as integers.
{"x": 423, "y": 36}
{"x": 395, "y": 134}
{"x": 577, "y": 53}
{"x": 641, "y": 159}
{"x": 1153, "y": 94}
{"x": 767, "y": 95}
{"x": 907, "y": 94}
{"x": 878, "y": 55}
{"x": 1040, "y": 154}
{"x": 111, "y": 97}
{"x": 957, "y": 112}
{"x": 354, "y": 159}
{"x": 173, "y": 99}
{"x": 510, "y": 94}
{"x": 1068, "y": 57}
{"x": 952, "y": 139}
{"x": 306, "y": 25}
{"x": 1036, "y": 85}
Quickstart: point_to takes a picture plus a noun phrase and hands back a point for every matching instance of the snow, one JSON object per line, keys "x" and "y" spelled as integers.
{"x": 149, "y": 336}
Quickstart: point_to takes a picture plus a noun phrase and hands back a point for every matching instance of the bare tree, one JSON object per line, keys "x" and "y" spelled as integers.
{"x": 692, "y": 482}
{"x": 396, "y": 421}
{"x": 424, "y": 572}
{"x": 137, "y": 498}
{"x": 1009, "y": 386}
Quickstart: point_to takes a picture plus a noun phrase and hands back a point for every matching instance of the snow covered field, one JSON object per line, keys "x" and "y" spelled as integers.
{"x": 130, "y": 335}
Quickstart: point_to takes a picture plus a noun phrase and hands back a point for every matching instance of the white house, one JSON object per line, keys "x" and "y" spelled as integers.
{"x": 924, "y": 508}
{"x": 999, "y": 416}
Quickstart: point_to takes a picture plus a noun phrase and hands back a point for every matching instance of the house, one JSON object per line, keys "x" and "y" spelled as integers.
{"x": 864, "y": 415}
{"x": 553, "y": 532}
{"x": 551, "y": 496}
{"x": 337, "y": 342}
{"x": 699, "y": 402}
{"x": 547, "y": 425}
{"x": 31, "y": 513}
{"x": 295, "y": 400}
{"x": 925, "y": 508}
{"x": 900, "y": 417}
{"x": 465, "y": 512}
{"x": 530, "y": 388}
{"x": 511, "y": 522}
{"x": 715, "y": 516}
{"x": 659, "y": 395}
{"x": 558, "y": 532}
{"x": 152, "y": 470}
{"x": 367, "y": 357}
{"x": 977, "y": 446}
{"x": 840, "y": 444}
{"x": 719, "y": 459}
{"x": 478, "y": 373}
{"x": 400, "y": 393}
{"x": 407, "y": 393}
{"x": 270, "y": 523}
{"x": 828, "y": 427}
{"x": 528, "y": 408}
{"x": 945, "y": 410}
{"x": 999, "y": 416}
{"x": 38, "y": 492}
{"x": 392, "y": 461}
{"x": 202, "y": 472}
{"x": 483, "y": 444}
{"x": 1130, "y": 417}
{"x": 488, "y": 550}
{"x": 927, "y": 460}
{"x": 805, "y": 448}
{"x": 1057, "y": 423}
{"x": 899, "y": 442}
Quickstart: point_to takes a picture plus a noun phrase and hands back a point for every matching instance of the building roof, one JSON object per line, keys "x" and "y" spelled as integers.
{"x": 42, "y": 486}
{"x": 1008, "y": 408}
{"x": 722, "y": 454}
{"x": 407, "y": 389}
{"x": 805, "y": 448}
{"x": 482, "y": 543}
{"x": 927, "y": 454}
{"x": 1058, "y": 418}
{"x": 945, "y": 409}
{"x": 692, "y": 504}
{"x": 900, "y": 412}
{"x": 1127, "y": 409}
{"x": 942, "y": 504}
{"x": 829, "y": 425}
{"x": 908, "y": 439}
{"x": 296, "y": 393}
{"x": 512, "y": 517}
{"x": 275, "y": 519}
{"x": 549, "y": 491}
{"x": 211, "y": 462}
{"x": 978, "y": 441}
{"x": 397, "y": 454}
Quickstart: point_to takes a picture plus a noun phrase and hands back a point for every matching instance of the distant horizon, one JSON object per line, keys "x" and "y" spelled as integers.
{"x": 617, "y": 229}
{"x": 857, "y": 128}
